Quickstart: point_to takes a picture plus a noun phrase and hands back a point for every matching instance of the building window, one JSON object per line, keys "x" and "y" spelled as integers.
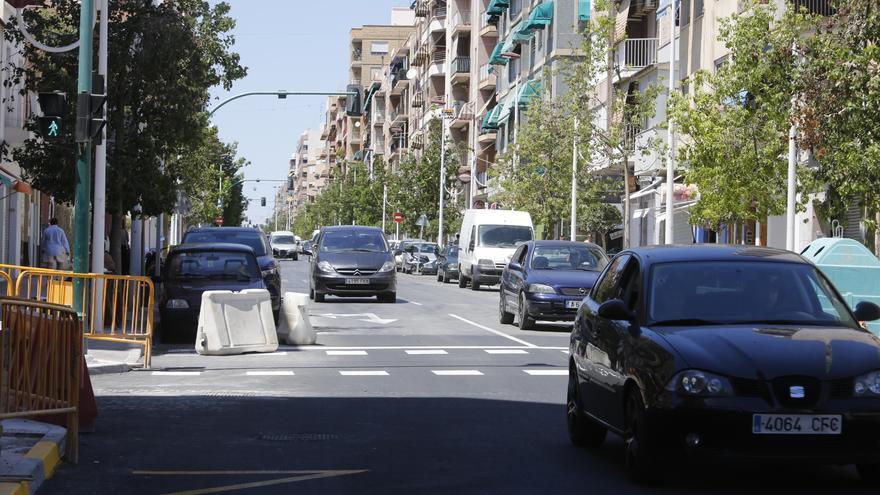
{"x": 379, "y": 48}
{"x": 533, "y": 54}
{"x": 513, "y": 67}
{"x": 515, "y": 8}
{"x": 375, "y": 73}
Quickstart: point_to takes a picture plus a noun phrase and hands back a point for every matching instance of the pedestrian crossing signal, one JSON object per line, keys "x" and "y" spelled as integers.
{"x": 51, "y": 127}
{"x": 53, "y": 106}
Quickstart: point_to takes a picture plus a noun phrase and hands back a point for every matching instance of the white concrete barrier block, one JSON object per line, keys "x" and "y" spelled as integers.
{"x": 294, "y": 327}
{"x": 235, "y": 323}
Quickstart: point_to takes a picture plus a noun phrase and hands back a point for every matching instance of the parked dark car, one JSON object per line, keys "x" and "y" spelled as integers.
{"x": 724, "y": 352}
{"x": 447, "y": 264}
{"x": 257, "y": 241}
{"x": 352, "y": 261}
{"x": 420, "y": 258}
{"x": 194, "y": 268}
{"x": 306, "y": 247}
{"x": 547, "y": 280}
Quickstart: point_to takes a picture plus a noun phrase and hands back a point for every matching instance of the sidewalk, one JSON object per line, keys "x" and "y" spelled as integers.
{"x": 29, "y": 453}
{"x": 113, "y": 357}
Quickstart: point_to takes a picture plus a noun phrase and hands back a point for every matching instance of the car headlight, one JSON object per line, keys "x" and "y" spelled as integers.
{"x": 541, "y": 289}
{"x": 696, "y": 383}
{"x": 388, "y": 266}
{"x": 867, "y": 384}
{"x": 326, "y": 267}
{"x": 177, "y": 304}
{"x": 486, "y": 263}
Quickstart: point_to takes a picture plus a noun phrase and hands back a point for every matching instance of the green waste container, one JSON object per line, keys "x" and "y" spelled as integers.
{"x": 851, "y": 267}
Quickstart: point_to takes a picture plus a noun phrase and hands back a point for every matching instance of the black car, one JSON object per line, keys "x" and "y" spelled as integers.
{"x": 257, "y": 241}
{"x": 193, "y": 269}
{"x": 547, "y": 280}
{"x": 352, "y": 261}
{"x": 724, "y": 351}
{"x": 447, "y": 264}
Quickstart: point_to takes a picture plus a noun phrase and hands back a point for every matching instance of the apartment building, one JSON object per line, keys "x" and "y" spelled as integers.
{"x": 310, "y": 172}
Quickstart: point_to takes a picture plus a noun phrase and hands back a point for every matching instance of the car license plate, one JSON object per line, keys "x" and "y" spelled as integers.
{"x": 572, "y": 304}
{"x": 796, "y": 424}
{"x": 357, "y": 281}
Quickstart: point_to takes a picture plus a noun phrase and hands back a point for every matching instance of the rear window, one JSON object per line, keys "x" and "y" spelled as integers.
{"x": 283, "y": 239}
{"x": 213, "y": 264}
{"x": 253, "y": 239}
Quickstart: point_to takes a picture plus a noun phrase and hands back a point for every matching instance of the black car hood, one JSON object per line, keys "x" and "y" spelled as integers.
{"x": 772, "y": 351}
{"x": 563, "y": 278}
{"x": 356, "y": 259}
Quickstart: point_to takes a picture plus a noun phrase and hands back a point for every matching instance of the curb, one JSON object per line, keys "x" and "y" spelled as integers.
{"x": 38, "y": 464}
{"x": 107, "y": 368}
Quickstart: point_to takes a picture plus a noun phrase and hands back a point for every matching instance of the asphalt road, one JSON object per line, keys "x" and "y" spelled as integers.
{"x": 429, "y": 395}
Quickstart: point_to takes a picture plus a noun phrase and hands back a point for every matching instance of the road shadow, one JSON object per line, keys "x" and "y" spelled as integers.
{"x": 408, "y": 445}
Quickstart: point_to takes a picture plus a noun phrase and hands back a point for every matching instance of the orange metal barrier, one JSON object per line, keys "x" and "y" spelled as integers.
{"x": 41, "y": 363}
{"x": 7, "y": 279}
{"x": 116, "y": 308}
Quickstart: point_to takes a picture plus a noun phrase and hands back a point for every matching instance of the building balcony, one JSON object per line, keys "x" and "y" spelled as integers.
{"x": 461, "y": 22}
{"x": 635, "y": 54}
{"x": 356, "y": 55}
{"x": 421, "y": 8}
{"x": 817, "y": 7}
{"x": 420, "y": 57}
{"x": 488, "y": 80}
{"x": 438, "y": 65}
{"x": 438, "y": 19}
{"x": 463, "y": 114}
{"x": 461, "y": 70}
{"x": 399, "y": 116}
{"x": 418, "y": 100}
{"x": 399, "y": 82}
{"x": 487, "y": 136}
{"x": 488, "y": 29}
{"x": 379, "y": 118}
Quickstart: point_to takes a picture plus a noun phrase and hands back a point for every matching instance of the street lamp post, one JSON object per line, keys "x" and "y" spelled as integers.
{"x": 670, "y": 137}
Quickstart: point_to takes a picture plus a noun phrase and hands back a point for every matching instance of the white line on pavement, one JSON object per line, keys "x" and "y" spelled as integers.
{"x": 564, "y": 351}
{"x": 363, "y": 373}
{"x": 346, "y": 353}
{"x": 177, "y": 373}
{"x": 405, "y": 347}
{"x": 505, "y": 351}
{"x": 305, "y": 281}
{"x": 547, "y": 372}
{"x": 496, "y": 332}
{"x": 423, "y": 352}
{"x": 457, "y": 372}
{"x": 416, "y": 303}
{"x": 270, "y": 373}
{"x": 282, "y": 353}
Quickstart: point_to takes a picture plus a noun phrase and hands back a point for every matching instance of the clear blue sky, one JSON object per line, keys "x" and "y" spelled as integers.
{"x": 296, "y": 45}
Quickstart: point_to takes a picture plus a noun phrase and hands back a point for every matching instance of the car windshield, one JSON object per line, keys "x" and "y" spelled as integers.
{"x": 755, "y": 292}
{"x": 213, "y": 264}
{"x": 283, "y": 239}
{"x": 504, "y": 236}
{"x": 568, "y": 257}
{"x": 335, "y": 241}
{"x": 253, "y": 239}
{"x": 453, "y": 252}
{"x": 426, "y": 248}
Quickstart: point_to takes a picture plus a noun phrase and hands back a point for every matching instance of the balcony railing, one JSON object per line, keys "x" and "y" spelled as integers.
{"x": 461, "y": 18}
{"x": 422, "y": 9}
{"x": 418, "y": 100}
{"x": 438, "y": 56}
{"x": 637, "y": 52}
{"x": 818, "y": 7}
{"x": 356, "y": 55}
{"x": 439, "y": 12}
{"x": 464, "y": 110}
{"x": 461, "y": 65}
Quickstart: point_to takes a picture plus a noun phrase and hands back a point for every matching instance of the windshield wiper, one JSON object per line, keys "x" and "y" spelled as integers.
{"x": 364, "y": 250}
{"x": 685, "y": 322}
{"x": 785, "y": 322}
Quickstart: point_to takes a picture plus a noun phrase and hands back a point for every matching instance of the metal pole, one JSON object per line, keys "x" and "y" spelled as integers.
{"x": 442, "y": 179}
{"x": 137, "y": 246}
{"x": 84, "y": 159}
{"x": 574, "y": 170}
{"x": 792, "y": 189}
{"x": 384, "y": 200}
{"x": 670, "y": 139}
{"x": 397, "y": 232}
{"x": 100, "y": 206}
{"x": 516, "y": 123}
{"x": 157, "y": 259}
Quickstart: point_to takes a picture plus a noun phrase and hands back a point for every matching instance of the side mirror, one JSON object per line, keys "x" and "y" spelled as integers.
{"x": 307, "y": 252}
{"x": 513, "y": 265}
{"x": 615, "y": 309}
{"x": 867, "y": 311}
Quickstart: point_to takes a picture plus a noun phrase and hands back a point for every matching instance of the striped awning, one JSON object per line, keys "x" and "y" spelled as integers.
{"x": 529, "y": 91}
{"x": 541, "y": 16}
{"x": 497, "y": 7}
{"x": 490, "y": 121}
{"x": 496, "y": 58}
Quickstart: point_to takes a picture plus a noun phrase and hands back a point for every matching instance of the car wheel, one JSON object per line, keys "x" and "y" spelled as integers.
{"x": 446, "y": 277}
{"x": 474, "y": 284}
{"x": 526, "y": 322}
{"x": 319, "y": 297}
{"x": 312, "y": 294}
{"x": 503, "y": 316}
{"x": 295, "y": 257}
{"x": 388, "y": 298}
{"x": 870, "y": 473}
{"x": 582, "y": 431}
{"x": 462, "y": 281}
{"x": 640, "y": 464}
{"x": 439, "y": 276}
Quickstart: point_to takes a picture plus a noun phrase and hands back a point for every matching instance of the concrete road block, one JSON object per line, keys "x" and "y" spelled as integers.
{"x": 235, "y": 323}
{"x": 295, "y": 327}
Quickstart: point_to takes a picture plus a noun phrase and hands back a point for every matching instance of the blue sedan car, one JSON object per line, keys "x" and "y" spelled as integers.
{"x": 547, "y": 280}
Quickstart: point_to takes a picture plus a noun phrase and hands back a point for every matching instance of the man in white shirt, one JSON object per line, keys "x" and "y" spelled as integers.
{"x": 55, "y": 248}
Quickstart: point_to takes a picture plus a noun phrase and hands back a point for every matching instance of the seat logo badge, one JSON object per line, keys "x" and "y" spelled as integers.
{"x": 357, "y": 272}
{"x": 796, "y": 392}
{"x": 582, "y": 291}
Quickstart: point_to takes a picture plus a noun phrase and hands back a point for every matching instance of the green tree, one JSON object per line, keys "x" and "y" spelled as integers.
{"x": 736, "y": 120}
{"x": 840, "y": 117}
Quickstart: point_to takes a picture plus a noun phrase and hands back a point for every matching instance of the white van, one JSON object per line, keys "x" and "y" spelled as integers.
{"x": 486, "y": 242}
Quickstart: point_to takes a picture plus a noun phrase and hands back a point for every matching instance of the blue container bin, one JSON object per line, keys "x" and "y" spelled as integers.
{"x": 851, "y": 267}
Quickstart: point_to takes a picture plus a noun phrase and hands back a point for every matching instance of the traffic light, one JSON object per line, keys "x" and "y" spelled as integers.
{"x": 263, "y": 201}
{"x": 290, "y": 183}
{"x": 53, "y": 106}
{"x": 353, "y": 106}
{"x": 90, "y": 112}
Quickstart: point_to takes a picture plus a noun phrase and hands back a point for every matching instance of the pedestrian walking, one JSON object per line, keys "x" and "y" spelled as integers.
{"x": 54, "y": 246}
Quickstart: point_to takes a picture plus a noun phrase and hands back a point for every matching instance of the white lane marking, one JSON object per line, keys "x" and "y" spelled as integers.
{"x": 496, "y": 332}
{"x": 405, "y": 347}
{"x": 564, "y": 351}
{"x": 457, "y": 372}
{"x": 363, "y": 373}
{"x": 505, "y": 351}
{"x": 270, "y": 373}
{"x": 416, "y": 303}
{"x": 346, "y": 353}
{"x": 546, "y": 372}
{"x": 423, "y": 352}
{"x": 283, "y": 353}
{"x": 305, "y": 281}
{"x": 176, "y": 373}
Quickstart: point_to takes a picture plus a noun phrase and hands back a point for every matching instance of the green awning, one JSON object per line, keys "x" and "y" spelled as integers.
{"x": 583, "y": 10}
{"x": 373, "y": 88}
{"x": 358, "y": 155}
{"x": 490, "y": 121}
{"x": 6, "y": 181}
{"x": 506, "y": 105}
{"x": 521, "y": 33}
{"x": 542, "y": 16}
{"x": 497, "y": 7}
{"x": 529, "y": 91}
{"x": 496, "y": 57}
{"x": 508, "y": 45}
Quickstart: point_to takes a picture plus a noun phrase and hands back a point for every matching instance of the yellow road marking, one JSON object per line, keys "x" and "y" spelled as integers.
{"x": 301, "y": 476}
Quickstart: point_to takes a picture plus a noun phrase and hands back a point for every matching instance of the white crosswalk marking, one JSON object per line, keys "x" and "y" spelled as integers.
{"x": 546, "y": 372}
{"x": 270, "y": 373}
{"x": 425, "y": 352}
{"x": 346, "y": 353}
{"x": 363, "y": 373}
{"x": 457, "y": 372}
{"x": 505, "y": 351}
